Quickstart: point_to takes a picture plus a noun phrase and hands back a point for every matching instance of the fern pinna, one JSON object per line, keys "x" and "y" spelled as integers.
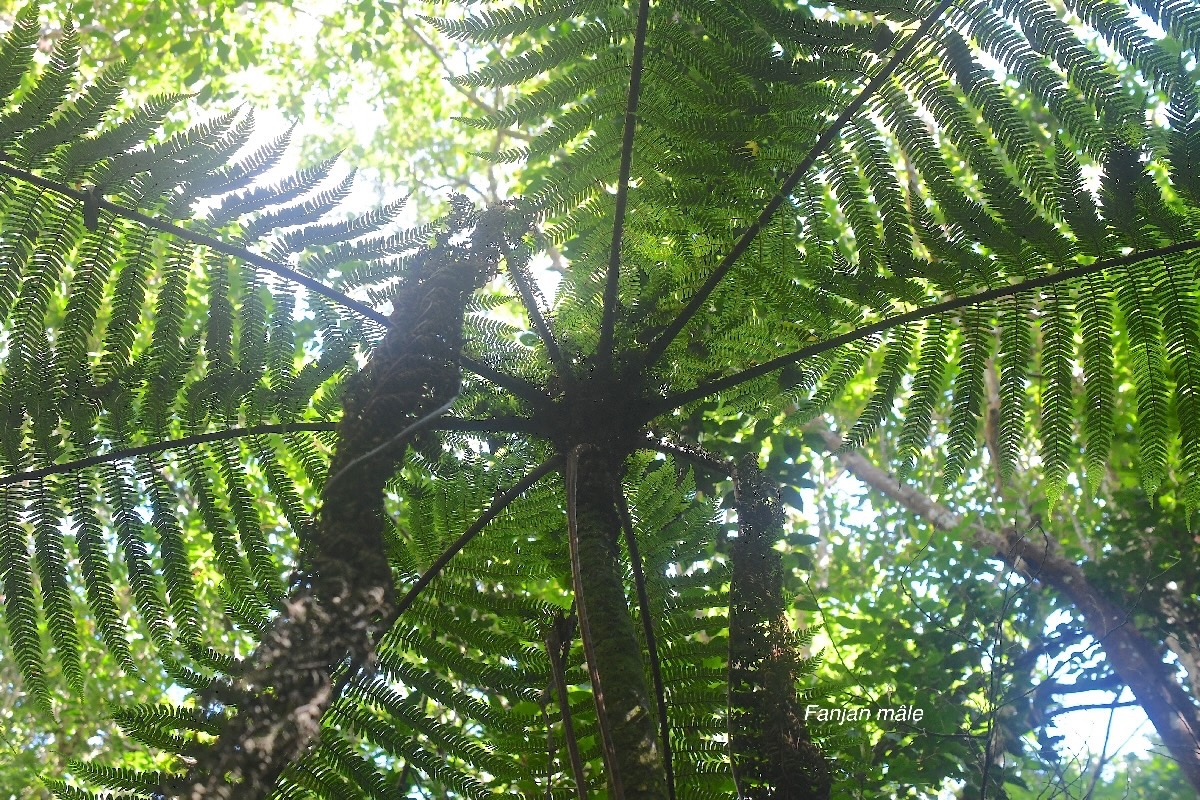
{"x": 722, "y": 178}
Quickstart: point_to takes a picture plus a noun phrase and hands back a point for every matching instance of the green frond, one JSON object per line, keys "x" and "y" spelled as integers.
{"x": 1099, "y": 384}
{"x": 79, "y": 116}
{"x": 1174, "y": 284}
{"x": 928, "y": 383}
{"x": 20, "y": 608}
{"x": 1141, "y": 318}
{"x": 86, "y": 153}
{"x": 490, "y": 26}
{"x": 593, "y": 38}
{"x": 1058, "y": 391}
{"x": 1016, "y": 348}
{"x": 116, "y": 777}
{"x": 891, "y": 373}
{"x": 51, "y": 557}
{"x": 16, "y": 51}
{"x": 96, "y": 566}
{"x": 968, "y": 395}
{"x": 46, "y": 97}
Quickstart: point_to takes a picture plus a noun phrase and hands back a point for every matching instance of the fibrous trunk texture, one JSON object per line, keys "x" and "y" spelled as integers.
{"x": 623, "y": 701}
{"x": 773, "y": 756}
{"x": 336, "y": 614}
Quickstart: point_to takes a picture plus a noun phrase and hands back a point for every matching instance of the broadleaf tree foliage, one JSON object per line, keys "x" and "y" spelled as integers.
{"x": 497, "y": 576}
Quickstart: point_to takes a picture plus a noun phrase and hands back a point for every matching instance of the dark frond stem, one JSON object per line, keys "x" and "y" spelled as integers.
{"x": 656, "y": 348}
{"x": 91, "y": 200}
{"x": 558, "y": 645}
{"x": 166, "y": 444}
{"x": 498, "y": 505}
{"x": 571, "y": 480}
{"x": 692, "y": 453}
{"x": 1050, "y": 279}
{"x": 522, "y": 388}
{"x": 639, "y": 582}
{"x": 521, "y": 279}
{"x": 612, "y": 279}
{"x": 496, "y": 425}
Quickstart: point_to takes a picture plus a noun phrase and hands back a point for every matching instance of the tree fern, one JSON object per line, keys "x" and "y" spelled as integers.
{"x": 751, "y": 201}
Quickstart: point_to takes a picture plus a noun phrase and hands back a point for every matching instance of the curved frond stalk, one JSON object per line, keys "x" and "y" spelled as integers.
{"x": 660, "y": 692}
{"x": 623, "y": 703}
{"x": 935, "y": 309}
{"x": 92, "y": 200}
{"x": 654, "y": 351}
{"x": 558, "y": 644}
{"x": 771, "y": 750}
{"x": 502, "y": 501}
{"x": 613, "y": 274}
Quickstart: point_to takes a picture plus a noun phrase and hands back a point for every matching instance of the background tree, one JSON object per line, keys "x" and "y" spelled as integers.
{"x": 654, "y": 134}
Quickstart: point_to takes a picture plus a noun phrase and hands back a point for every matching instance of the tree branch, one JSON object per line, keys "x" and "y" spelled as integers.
{"x": 655, "y": 349}
{"x": 612, "y": 280}
{"x": 1050, "y": 279}
{"x": 1132, "y": 657}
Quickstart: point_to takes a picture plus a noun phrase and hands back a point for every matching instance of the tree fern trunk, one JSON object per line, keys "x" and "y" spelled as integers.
{"x": 772, "y": 754}
{"x": 336, "y": 615}
{"x": 623, "y": 700}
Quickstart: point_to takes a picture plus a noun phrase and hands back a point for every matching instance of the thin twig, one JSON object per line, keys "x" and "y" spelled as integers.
{"x": 166, "y": 444}
{"x": 655, "y": 349}
{"x": 639, "y": 581}
{"x": 571, "y": 480}
{"x": 738, "y": 378}
{"x": 91, "y": 199}
{"x": 612, "y": 279}
{"x": 494, "y": 510}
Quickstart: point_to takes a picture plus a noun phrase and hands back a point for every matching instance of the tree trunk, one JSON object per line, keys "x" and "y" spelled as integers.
{"x": 1133, "y": 657}
{"x": 623, "y": 700}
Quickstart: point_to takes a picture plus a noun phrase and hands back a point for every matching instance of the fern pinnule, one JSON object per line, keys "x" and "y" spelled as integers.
{"x": 895, "y": 366}
{"x": 88, "y": 155}
{"x": 16, "y": 50}
{"x": 173, "y": 552}
{"x": 266, "y": 572}
{"x": 310, "y": 208}
{"x": 1095, "y": 308}
{"x": 927, "y": 389}
{"x": 1174, "y": 287}
{"x": 1058, "y": 390}
{"x": 284, "y": 191}
{"x": 96, "y": 568}
{"x": 968, "y": 393}
{"x": 20, "y": 609}
{"x": 1015, "y": 352}
{"x": 147, "y": 595}
{"x": 49, "y": 92}
{"x": 50, "y": 555}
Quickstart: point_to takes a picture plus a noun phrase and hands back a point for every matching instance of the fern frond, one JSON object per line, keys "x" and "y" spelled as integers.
{"x": 927, "y": 388}
{"x": 1058, "y": 327}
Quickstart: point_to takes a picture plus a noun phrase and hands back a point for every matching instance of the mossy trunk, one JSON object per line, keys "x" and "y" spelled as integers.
{"x": 772, "y": 754}
{"x": 634, "y": 761}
